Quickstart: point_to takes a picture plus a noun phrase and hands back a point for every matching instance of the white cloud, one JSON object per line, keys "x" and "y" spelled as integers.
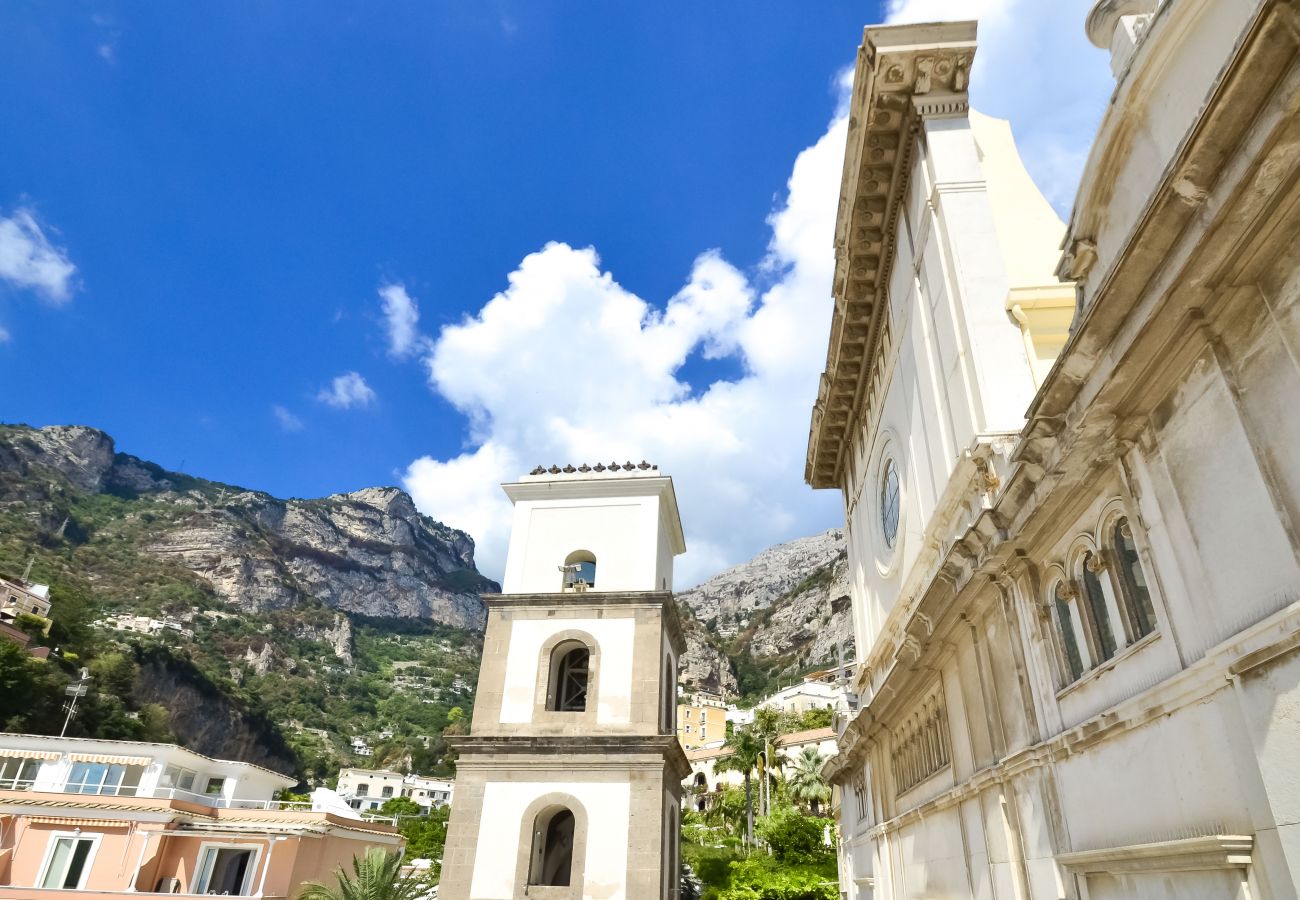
{"x": 1034, "y": 66}
{"x": 347, "y": 391}
{"x": 566, "y": 365}
{"x": 28, "y": 259}
{"x": 107, "y": 48}
{"x": 286, "y": 419}
{"x": 5, "y": 336}
{"x": 402, "y": 320}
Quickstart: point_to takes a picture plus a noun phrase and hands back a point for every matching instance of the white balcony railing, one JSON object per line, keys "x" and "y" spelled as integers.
{"x": 96, "y": 789}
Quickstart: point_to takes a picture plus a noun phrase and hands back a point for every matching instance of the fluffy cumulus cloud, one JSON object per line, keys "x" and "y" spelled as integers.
{"x": 401, "y": 320}
{"x": 30, "y": 261}
{"x": 1034, "y": 66}
{"x": 347, "y": 391}
{"x": 566, "y": 365}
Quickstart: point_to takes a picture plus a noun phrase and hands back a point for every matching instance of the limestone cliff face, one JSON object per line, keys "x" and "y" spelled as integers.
{"x": 369, "y": 551}
{"x": 366, "y": 552}
{"x": 81, "y": 455}
{"x": 784, "y": 611}
{"x": 704, "y": 665}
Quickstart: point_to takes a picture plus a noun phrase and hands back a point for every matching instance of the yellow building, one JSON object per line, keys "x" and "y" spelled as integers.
{"x": 701, "y": 720}
{"x": 19, "y": 598}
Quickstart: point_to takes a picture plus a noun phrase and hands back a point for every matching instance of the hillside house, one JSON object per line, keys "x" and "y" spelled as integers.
{"x": 83, "y": 819}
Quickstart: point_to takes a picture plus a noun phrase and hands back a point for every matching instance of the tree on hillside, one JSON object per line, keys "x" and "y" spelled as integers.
{"x": 31, "y": 692}
{"x": 426, "y": 836}
{"x": 376, "y": 876}
{"x": 400, "y": 806}
{"x": 820, "y": 717}
{"x": 805, "y": 781}
{"x": 746, "y": 751}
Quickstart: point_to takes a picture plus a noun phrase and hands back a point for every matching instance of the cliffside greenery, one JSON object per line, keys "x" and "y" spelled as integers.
{"x": 283, "y": 686}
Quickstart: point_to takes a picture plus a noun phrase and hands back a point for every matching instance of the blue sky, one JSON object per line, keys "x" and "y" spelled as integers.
{"x": 246, "y": 241}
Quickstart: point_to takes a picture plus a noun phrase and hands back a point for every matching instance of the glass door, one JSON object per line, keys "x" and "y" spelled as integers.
{"x": 67, "y": 866}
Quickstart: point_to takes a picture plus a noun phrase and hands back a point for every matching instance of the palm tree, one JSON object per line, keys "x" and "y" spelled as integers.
{"x": 767, "y": 728}
{"x": 746, "y": 751}
{"x": 378, "y": 877}
{"x": 805, "y": 782}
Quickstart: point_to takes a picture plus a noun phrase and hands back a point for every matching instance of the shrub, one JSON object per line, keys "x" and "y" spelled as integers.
{"x": 764, "y": 878}
{"x": 793, "y": 837}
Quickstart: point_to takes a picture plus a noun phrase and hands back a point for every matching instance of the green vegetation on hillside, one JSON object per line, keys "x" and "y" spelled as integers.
{"x": 272, "y": 675}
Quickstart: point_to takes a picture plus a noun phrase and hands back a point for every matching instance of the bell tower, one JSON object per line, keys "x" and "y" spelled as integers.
{"x": 569, "y": 783}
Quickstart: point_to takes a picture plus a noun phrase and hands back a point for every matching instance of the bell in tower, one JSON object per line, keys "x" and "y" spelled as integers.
{"x": 569, "y": 783}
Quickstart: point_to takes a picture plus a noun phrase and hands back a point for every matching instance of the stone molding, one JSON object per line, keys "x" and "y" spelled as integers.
{"x": 1218, "y": 851}
{"x": 1154, "y": 254}
{"x": 905, "y": 73}
{"x": 1105, "y": 15}
{"x": 597, "y": 600}
{"x": 1197, "y": 684}
{"x": 576, "y": 751}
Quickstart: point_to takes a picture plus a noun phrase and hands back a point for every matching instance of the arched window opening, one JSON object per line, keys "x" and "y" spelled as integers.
{"x": 1102, "y": 633}
{"x": 579, "y": 571}
{"x": 552, "y": 858}
{"x": 1134, "y": 580}
{"x": 570, "y": 676}
{"x": 1065, "y": 626}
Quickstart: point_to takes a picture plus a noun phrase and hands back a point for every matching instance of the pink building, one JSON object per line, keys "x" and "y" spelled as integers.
{"x": 83, "y": 819}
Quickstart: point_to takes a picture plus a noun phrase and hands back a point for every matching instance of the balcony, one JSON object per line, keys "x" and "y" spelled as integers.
{"x": 92, "y": 791}
{"x": 130, "y": 799}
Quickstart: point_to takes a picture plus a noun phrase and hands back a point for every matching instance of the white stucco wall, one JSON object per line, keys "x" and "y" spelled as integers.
{"x": 607, "y": 807}
{"x": 630, "y": 524}
{"x": 1187, "y": 729}
{"x": 956, "y": 366}
{"x": 615, "y": 638}
{"x": 614, "y": 531}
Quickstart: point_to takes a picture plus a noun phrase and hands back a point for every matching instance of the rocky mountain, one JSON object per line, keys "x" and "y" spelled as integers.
{"x": 277, "y": 631}
{"x": 784, "y": 612}
{"x": 369, "y": 551}
{"x": 303, "y": 624}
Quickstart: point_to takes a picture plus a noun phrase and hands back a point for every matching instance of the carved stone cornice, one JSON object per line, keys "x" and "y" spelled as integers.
{"x": 905, "y": 73}
{"x": 1104, "y": 18}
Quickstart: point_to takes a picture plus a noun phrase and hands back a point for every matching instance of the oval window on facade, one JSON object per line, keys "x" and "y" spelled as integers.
{"x": 889, "y": 501}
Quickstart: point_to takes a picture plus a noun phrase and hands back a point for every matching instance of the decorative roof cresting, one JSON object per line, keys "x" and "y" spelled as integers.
{"x": 615, "y": 466}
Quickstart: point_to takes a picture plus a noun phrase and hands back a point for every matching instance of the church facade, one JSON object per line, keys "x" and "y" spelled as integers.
{"x": 1070, "y": 462}
{"x": 569, "y": 784}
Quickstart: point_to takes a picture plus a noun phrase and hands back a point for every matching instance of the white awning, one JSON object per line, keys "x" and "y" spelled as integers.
{"x": 80, "y": 822}
{"x": 30, "y": 754}
{"x": 110, "y": 758}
